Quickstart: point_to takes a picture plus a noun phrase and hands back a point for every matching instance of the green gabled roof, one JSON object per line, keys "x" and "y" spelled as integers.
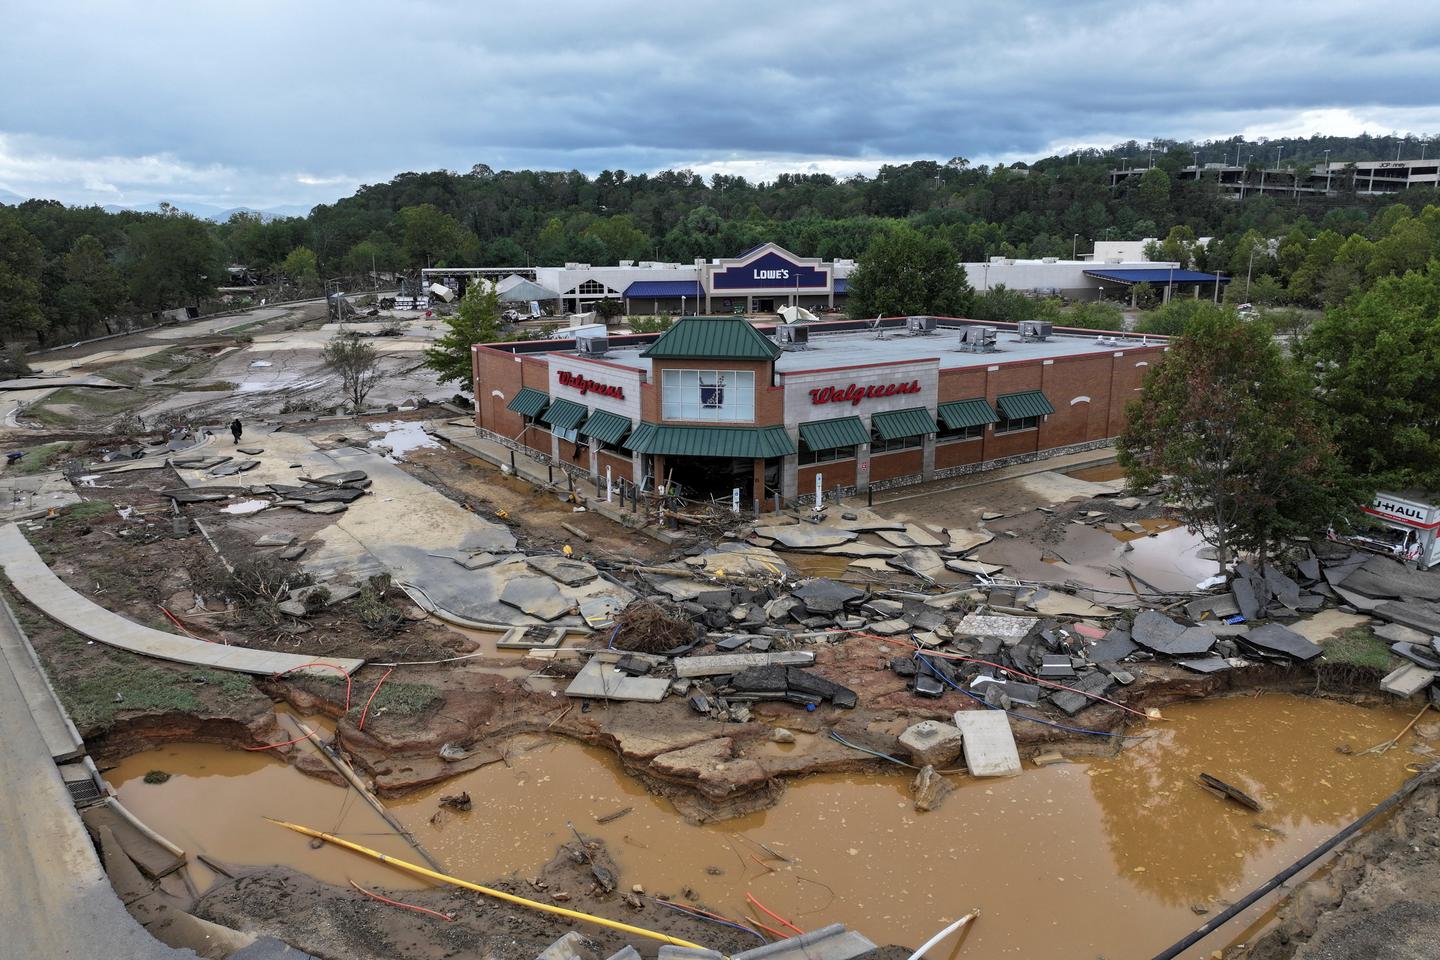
{"x": 706, "y": 338}
{"x": 606, "y": 427}
{"x": 959, "y": 414}
{"x": 895, "y": 424}
{"x": 565, "y": 414}
{"x": 832, "y": 434}
{"x": 755, "y": 443}
{"x": 1026, "y": 403}
{"x": 528, "y": 402}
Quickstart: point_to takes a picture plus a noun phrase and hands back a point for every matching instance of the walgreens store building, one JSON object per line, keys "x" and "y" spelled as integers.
{"x": 716, "y": 404}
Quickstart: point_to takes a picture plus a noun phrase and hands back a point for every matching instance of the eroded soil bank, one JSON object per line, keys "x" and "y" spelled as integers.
{"x": 1105, "y": 857}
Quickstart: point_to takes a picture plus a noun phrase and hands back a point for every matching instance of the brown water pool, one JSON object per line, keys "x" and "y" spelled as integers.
{"x": 1107, "y": 858}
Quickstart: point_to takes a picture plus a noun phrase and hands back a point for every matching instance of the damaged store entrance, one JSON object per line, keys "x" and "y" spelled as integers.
{"x": 714, "y": 479}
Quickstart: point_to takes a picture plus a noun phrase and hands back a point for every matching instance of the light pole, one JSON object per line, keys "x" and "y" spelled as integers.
{"x": 1074, "y": 243}
{"x": 1248, "y": 270}
{"x": 1327, "y": 173}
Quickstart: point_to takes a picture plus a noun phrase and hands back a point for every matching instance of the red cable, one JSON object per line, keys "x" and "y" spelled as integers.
{"x": 329, "y": 666}
{"x": 272, "y": 746}
{"x": 407, "y": 906}
{"x": 176, "y": 620}
{"x": 366, "y": 711}
{"x": 782, "y": 921}
{"x": 1019, "y": 673}
{"x": 777, "y": 934}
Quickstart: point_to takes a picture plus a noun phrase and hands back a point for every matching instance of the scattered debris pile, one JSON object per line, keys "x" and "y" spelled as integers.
{"x": 330, "y": 493}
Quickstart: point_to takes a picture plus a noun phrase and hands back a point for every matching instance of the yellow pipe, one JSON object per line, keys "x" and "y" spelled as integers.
{"x": 487, "y": 891}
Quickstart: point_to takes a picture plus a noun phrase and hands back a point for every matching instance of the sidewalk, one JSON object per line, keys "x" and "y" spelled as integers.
{"x": 1073, "y": 461}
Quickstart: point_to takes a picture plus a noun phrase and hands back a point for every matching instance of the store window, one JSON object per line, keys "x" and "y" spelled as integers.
{"x": 879, "y": 444}
{"x": 1013, "y": 426}
{"x": 592, "y": 288}
{"x": 721, "y": 396}
{"x": 947, "y": 434}
{"x": 808, "y": 456}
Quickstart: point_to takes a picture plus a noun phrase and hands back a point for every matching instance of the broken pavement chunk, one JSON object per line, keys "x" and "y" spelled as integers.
{"x": 1273, "y": 637}
{"x": 803, "y": 536}
{"x": 571, "y": 573}
{"x": 719, "y": 665}
{"x": 988, "y": 743}
{"x": 1157, "y": 632}
{"x": 826, "y": 596}
{"x": 1407, "y": 680}
{"x": 535, "y": 596}
{"x": 1074, "y": 700}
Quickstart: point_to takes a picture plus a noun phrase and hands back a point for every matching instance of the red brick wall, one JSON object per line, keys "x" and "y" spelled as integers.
{"x": 958, "y": 452}
{"x": 841, "y": 473}
{"x": 619, "y": 466}
{"x": 888, "y": 466}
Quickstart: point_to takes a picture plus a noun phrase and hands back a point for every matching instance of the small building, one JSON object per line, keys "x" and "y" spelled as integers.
{"x": 716, "y": 405}
{"x": 1092, "y": 279}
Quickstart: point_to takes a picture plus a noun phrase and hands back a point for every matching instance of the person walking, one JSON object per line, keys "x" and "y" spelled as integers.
{"x": 236, "y": 429}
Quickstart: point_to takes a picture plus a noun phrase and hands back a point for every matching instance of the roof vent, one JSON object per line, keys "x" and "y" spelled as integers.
{"x": 592, "y": 346}
{"x": 920, "y": 326}
{"x": 979, "y": 339}
{"x": 1035, "y": 331}
{"x": 792, "y": 337}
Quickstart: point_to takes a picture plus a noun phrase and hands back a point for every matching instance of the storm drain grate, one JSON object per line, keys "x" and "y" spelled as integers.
{"x": 83, "y": 792}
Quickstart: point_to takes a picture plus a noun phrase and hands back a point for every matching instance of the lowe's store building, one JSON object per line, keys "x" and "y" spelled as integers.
{"x": 715, "y": 405}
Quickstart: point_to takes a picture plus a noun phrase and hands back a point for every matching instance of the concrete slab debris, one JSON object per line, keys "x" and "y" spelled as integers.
{"x": 975, "y": 568}
{"x": 323, "y": 508}
{"x": 572, "y": 573}
{"x": 1011, "y": 629}
{"x": 912, "y": 536}
{"x": 1218, "y": 607}
{"x": 803, "y": 536}
{"x": 930, "y": 742}
{"x": 717, "y": 665}
{"x": 856, "y": 549}
{"x": 1407, "y": 680}
{"x": 479, "y": 561}
{"x": 277, "y": 538}
{"x": 963, "y": 541}
{"x": 1273, "y": 637}
{"x": 1206, "y": 665}
{"x": 826, "y": 596}
{"x": 1075, "y": 700}
{"x": 531, "y": 638}
{"x": 1418, "y": 616}
{"x": 1399, "y": 633}
{"x": 888, "y": 628}
{"x": 828, "y": 943}
{"x": 600, "y": 680}
{"x": 1384, "y": 577}
{"x": 921, "y": 561}
{"x": 1115, "y": 645}
{"x": 537, "y": 597}
{"x": 1157, "y": 632}
{"x": 988, "y": 743}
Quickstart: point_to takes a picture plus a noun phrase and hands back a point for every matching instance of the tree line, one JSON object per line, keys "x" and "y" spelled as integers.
{"x": 72, "y": 272}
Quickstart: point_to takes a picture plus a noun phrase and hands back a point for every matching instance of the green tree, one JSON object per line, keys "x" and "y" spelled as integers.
{"x": 1096, "y": 315}
{"x": 903, "y": 272}
{"x": 1152, "y": 195}
{"x": 171, "y": 259}
{"x": 1228, "y": 426}
{"x": 609, "y": 308}
{"x": 1175, "y": 318}
{"x": 428, "y": 235}
{"x": 1378, "y": 363}
{"x": 476, "y": 321}
{"x": 373, "y": 254}
{"x": 357, "y": 365}
{"x": 93, "y": 289}
{"x": 21, "y": 260}
{"x": 1000, "y": 304}
{"x": 299, "y": 266}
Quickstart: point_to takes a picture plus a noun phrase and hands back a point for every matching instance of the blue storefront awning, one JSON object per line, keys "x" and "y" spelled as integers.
{"x": 1155, "y": 275}
{"x": 663, "y": 289}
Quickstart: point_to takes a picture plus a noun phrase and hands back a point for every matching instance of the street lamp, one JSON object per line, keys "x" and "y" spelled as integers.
{"x": 1253, "y": 250}
{"x": 1327, "y": 173}
{"x": 1074, "y": 243}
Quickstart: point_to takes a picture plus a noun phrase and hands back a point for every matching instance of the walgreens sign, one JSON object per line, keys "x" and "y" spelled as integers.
{"x": 854, "y": 393}
{"x": 586, "y": 385}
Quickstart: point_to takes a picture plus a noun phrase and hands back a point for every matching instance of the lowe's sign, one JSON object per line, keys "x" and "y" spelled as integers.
{"x": 771, "y": 272}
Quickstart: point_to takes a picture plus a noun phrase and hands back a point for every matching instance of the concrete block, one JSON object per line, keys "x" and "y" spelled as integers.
{"x": 989, "y": 744}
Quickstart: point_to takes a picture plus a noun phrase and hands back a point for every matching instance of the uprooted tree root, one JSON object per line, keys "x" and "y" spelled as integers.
{"x": 648, "y": 627}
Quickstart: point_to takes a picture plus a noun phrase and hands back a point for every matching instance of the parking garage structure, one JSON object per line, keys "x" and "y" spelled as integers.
{"x": 722, "y": 409}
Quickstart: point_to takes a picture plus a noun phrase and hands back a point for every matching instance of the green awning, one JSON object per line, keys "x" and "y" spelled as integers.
{"x": 754, "y": 443}
{"x": 606, "y": 427}
{"x": 966, "y": 413}
{"x": 832, "y": 434}
{"x": 1027, "y": 403}
{"x": 898, "y": 424}
{"x": 529, "y": 402}
{"x": 565, "y": 414}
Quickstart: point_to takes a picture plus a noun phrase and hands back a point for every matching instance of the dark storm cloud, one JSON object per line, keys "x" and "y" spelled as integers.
{"x": 282, "y": 102}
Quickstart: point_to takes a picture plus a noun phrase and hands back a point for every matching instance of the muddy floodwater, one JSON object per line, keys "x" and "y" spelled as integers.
{"x": 1099, "y": 857}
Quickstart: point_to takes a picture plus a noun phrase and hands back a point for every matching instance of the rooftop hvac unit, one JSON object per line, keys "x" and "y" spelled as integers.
{"x": 919, "y": 326}
{"x": 978, "y": 339}
{"x": 1036, "y": 330}
{"x": 592, "y": 346}
{"x": 792, "y": 337}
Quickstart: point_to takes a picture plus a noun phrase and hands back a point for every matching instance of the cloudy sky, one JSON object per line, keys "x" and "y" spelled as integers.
{"x": 267, "y": 104}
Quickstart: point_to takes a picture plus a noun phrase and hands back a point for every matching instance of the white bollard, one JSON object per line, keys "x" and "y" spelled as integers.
{"x": 609, "y": 487}
{"x": 735, "y": 500}
{"x": 819, "y": 496}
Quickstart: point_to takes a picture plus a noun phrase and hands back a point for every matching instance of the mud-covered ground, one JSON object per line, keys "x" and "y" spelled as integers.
{"x": 1378, "y": 900}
